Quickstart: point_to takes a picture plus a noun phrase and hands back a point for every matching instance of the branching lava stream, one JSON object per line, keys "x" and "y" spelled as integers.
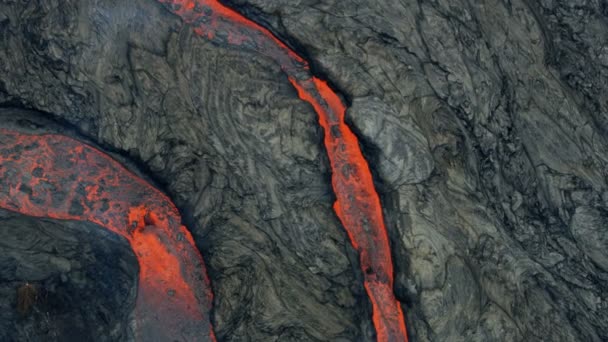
{"x": 55, "y": 176}
{"x": 357, "y": 205}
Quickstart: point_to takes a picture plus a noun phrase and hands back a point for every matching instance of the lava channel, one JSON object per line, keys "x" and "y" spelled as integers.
{"x": 54, "y": 176}
{"x": 357, "y": 205}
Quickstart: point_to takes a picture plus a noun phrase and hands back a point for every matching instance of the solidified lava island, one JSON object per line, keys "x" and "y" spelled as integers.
{"x": 357, "y": 205}
{"x": 58, "y": 177}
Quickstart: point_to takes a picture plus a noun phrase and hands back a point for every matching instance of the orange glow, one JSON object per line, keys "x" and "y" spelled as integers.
{"x": 58, "y": 177}
{"x": 358, "y": 208}
{"x": 357, "y": 205}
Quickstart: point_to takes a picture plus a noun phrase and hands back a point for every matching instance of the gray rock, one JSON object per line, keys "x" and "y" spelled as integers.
{"x": 403, "y": 156}
{"x": 589, "y": 228}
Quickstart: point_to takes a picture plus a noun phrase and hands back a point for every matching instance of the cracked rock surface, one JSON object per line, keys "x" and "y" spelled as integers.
{"x": 485, "y": 124}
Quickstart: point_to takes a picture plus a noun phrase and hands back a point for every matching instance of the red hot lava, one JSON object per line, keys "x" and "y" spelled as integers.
{"x": 54, "y": 176}
{"x": 357, "y": 204}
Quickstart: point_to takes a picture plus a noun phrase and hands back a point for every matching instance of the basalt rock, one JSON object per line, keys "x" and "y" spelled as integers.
{"x": 484, "y": 123}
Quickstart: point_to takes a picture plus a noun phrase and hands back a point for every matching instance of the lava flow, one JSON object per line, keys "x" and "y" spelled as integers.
{"x": 357, "y": 205}
{"x": 54, "y": 176}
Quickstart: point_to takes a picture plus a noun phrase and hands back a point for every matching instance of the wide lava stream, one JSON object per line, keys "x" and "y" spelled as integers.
{"x": 47, "y": 175}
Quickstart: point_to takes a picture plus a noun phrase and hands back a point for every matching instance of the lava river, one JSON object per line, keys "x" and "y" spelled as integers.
{"x": 357, "y": 205}
{"x": 58, "y": 177}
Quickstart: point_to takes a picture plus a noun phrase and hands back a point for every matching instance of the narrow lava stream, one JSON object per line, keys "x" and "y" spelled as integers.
{"x": 54, "y": 176}
{"x": 357, "y": 205}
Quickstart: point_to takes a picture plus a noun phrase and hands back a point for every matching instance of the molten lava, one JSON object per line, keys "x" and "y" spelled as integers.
{"x": 54, "y": 176}
{"x": 357, "y": 205}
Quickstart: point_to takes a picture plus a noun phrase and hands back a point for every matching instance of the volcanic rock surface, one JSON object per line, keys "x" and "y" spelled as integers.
{"x": 485, "y": 123}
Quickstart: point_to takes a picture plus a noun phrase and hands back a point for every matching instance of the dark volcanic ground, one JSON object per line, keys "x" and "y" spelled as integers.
{"x": 485, "y": 122}
{"x": 84, "y": 280}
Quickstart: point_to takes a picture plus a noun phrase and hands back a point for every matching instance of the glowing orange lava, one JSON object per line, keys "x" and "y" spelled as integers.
{"x": 357, "y": 204}
{"x": 55, "y": 176}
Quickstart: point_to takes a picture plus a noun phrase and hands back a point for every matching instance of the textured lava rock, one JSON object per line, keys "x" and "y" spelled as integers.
{"x": 402, "y": 153}
{"x": 487, "y": 138}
